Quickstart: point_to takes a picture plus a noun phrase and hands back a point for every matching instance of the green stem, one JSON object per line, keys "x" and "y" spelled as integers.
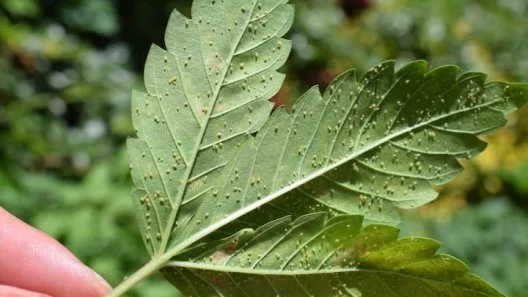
{"x": 151, "y": 267}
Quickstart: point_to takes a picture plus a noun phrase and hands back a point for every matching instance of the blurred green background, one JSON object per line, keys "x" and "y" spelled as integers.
{"x": 68, "y": 68}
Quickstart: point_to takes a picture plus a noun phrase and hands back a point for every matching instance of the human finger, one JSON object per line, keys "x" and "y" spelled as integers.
{"x": 6, "y": 291}
{"x": 33, "y": 261}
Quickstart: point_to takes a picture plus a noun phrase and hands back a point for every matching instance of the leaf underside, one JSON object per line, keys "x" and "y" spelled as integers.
{"x": 209, "y": 162}
{"x": 313, "y": 256}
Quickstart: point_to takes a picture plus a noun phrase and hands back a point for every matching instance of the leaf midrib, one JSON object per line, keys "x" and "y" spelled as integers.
{"x": 256, "y": 271}
{"x": 174, "y": 213}
{"x": 243, "y": 211}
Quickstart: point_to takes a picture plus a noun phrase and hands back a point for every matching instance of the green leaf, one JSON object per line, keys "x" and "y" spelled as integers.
{"x": 313, "y": 256}
{"x": 209, "y": 161}
{"x": 205, "y": 93}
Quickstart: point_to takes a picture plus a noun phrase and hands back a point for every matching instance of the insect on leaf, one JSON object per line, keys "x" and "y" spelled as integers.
{"x": 232, "y": 197}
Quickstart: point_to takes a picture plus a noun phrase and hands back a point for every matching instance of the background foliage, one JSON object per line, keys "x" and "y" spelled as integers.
{"x": 64, "y": 116}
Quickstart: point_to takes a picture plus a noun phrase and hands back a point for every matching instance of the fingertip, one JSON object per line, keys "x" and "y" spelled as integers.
{"x": 83, "y": 282}
{"x": 34, "y": 261}
{"x": 101, "y": 287}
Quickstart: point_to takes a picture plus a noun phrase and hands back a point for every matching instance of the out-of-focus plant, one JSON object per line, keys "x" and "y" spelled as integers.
{"x": 64, "y": 114}
{"x": 62, "y": 101}
{"x": 443, "y": 32}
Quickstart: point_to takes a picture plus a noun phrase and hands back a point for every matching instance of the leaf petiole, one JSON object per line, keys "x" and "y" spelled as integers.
{"x": 148, "y": 269}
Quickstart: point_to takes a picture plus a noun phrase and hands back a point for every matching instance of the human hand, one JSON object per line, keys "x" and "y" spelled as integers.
{"x": 31, "y": 262}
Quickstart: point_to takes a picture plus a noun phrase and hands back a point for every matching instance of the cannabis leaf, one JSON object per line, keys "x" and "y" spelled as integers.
{"x": 209, "y": 162}
{"x": 313, "y": 256}
{"x": 211, "y": 87}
